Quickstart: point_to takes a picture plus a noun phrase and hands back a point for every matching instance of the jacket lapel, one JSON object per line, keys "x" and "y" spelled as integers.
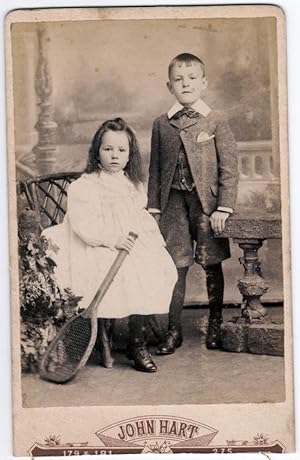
{"x": 173, "y": 144}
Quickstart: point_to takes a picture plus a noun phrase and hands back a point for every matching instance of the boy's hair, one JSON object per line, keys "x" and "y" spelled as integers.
{"x": 186, "y": 58}
{"x": 133, "y": 168}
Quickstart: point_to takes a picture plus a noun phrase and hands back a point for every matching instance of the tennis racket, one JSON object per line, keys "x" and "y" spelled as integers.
{"x": 71, "y": 348}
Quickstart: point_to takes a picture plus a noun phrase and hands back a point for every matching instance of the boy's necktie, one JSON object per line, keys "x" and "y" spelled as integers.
{"x": 188, "y": 111}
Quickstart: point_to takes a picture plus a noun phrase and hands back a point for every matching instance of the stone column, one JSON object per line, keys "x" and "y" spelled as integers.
{"x": 24, "y": 55}
{"x": 46, "y": 149}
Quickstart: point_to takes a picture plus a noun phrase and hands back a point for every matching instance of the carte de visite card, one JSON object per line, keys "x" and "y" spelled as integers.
{"x": 169, "y": 123}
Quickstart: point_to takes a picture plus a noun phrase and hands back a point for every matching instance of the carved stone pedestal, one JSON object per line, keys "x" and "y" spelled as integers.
{"x": 260, "y": 338}
{"x": 253, "y": 330}
{"x": 252, "y": 286}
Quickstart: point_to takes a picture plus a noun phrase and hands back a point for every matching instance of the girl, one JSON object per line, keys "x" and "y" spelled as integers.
{"x": 104, "y": 204}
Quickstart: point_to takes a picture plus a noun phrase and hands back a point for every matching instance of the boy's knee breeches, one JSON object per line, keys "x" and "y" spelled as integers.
{"x": 188, "y": 233}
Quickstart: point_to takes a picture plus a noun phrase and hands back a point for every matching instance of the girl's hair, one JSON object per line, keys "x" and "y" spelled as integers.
{"x": 133, "y": 169}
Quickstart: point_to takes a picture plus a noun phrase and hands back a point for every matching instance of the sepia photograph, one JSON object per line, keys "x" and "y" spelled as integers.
{"x": 149, "y": 229}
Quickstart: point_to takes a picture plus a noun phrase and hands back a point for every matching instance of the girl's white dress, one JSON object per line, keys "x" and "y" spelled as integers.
{"x": 101, "y": 207}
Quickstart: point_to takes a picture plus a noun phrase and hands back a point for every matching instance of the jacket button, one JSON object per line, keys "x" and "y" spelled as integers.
{"x": 182, "y": 131}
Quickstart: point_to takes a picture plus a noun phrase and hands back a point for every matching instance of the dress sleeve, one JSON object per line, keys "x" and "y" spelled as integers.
{"x": 84, "y": 213}
{"x": 141, "y": 196}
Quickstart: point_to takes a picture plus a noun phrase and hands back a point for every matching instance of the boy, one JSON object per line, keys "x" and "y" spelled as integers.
{"x": 192, "y": 191}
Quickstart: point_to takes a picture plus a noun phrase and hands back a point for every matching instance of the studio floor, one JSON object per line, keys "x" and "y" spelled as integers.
{"x": 193, "y": 375}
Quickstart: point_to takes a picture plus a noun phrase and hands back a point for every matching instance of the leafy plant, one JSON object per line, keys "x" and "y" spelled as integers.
{"x": 44, "y": 306}
{"x": 267, "y": 200}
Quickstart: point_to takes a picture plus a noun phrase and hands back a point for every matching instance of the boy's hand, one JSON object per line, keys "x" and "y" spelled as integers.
{"x": 157, "y": 217}
{"x": 125, "y": 242}
{"x": 218, "y": 220}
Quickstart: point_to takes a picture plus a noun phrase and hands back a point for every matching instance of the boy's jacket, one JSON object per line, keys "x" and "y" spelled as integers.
{"x": 212, "y": 155}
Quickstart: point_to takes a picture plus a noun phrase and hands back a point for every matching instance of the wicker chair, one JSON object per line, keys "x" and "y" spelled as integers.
{"x": 48, "y": 196}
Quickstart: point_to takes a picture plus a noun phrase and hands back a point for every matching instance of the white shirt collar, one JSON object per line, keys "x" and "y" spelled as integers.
{"x": 199, "y": 106}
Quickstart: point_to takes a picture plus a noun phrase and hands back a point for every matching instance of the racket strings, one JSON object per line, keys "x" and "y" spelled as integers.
{"x": 69, "y": 349}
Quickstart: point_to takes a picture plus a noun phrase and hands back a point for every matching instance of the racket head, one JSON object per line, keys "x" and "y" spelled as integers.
{"x": 69, "y": 350}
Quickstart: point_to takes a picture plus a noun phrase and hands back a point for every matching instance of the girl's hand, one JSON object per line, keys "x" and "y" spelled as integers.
{"x": 125, "y": 242}
{"x": 218, "y": 220}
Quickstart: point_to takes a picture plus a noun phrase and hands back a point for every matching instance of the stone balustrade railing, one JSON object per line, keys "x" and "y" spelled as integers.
{"x": 256, "y": 161}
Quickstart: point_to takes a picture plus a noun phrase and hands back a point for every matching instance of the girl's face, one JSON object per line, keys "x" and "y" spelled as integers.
{"x": 114, "y": 151}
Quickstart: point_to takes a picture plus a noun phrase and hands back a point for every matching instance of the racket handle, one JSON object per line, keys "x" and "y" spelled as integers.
{"x": 115, "y": 267}
{"x": 117, "y": 263}
{"x": 133, "y": 235}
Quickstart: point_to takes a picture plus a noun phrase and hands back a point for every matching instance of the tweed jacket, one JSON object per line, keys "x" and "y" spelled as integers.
{"x": 212, "y": 155}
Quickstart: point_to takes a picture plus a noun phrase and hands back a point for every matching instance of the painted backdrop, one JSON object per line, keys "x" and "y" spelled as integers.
{"x": 103, "y": 69}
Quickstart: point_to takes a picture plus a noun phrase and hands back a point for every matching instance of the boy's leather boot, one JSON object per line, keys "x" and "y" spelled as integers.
{"x": 213, "y": 337}
{"x": 137, "y": 350}
{"x": 173, "y": 337}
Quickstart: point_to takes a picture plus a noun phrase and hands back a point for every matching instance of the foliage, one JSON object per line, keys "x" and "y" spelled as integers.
{"x": 267, "y": 200}
{"x": 44, "y": 306}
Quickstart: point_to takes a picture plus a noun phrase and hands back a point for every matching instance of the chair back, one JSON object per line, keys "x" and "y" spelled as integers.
{"x": 48, "y": 194}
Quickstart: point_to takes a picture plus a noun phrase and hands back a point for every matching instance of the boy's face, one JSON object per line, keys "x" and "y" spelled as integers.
{"x": 187, "y": 82}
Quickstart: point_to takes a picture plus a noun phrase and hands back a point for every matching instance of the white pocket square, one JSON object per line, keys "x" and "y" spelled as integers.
{"x": 204, "y": 136}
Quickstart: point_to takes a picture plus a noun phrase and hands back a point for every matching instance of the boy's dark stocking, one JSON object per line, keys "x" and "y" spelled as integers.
{"x": 137, "y": 350}
{"x": 215, "y": 291}
{"x": 173, "y": 337}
